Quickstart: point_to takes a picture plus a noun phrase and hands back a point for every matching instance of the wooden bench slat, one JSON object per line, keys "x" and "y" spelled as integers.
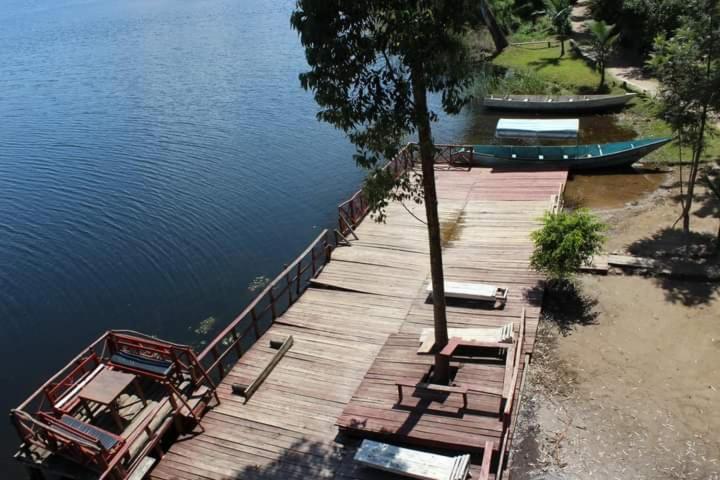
{"x": 412, "y": 463}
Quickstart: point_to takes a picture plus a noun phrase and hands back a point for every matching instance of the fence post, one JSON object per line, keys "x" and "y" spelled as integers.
{"x": 312, "y": 258}
{"x": 272, "y": 303}
{"x": 216, "y": 356}
{"x": 238, "y": 348}
{"x": 255, "y": 326}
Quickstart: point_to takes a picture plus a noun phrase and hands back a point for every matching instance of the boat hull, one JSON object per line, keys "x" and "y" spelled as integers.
{"x": 555, "y": 103}
{"x": 616, "y": 155}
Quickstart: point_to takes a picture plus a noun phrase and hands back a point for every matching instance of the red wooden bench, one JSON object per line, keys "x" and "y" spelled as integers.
{"x": 432, "y": 387}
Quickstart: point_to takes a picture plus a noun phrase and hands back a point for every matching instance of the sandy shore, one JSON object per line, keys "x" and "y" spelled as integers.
{"x": 626, "y": 380}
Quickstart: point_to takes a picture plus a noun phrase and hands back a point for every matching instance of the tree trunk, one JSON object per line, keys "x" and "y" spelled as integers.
{"x": 602, "y": 75}
{"x": 495, "y": 31}
{"x": 697, "y": 152}
{"x": 692, "y": 176}
{"x": 562, "y": 46}
{"x": 427, "y": 157}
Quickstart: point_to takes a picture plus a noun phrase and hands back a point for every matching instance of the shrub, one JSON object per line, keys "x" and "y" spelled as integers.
{"x": 566, "y": 241}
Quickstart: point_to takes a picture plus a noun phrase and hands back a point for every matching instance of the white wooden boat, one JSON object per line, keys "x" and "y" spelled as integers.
{"x": 556, "y": 103}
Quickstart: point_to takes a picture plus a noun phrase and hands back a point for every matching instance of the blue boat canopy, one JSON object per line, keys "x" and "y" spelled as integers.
{"x": 537, "y": 128}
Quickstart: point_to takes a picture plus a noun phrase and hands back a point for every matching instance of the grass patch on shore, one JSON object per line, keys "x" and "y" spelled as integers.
{"x": 572, "y": 75}
{"x": 568, "y": 71}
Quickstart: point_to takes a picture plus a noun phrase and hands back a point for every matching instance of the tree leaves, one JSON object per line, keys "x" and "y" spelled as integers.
{"x": 361, "y": 55}
{"x": 566, "y": 241}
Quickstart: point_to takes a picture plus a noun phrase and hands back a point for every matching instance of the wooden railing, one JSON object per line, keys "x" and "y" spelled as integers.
{"x": 227, "y": 347}
{"x": 352, "y": 211}
{"x": 558, "y": 200}
{"x": 44, "y": 397}
{"x": 511, "y": 405}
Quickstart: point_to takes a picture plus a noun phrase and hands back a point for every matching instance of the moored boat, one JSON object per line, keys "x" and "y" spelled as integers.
{"x": 574, "y": 157}
{"x": 538, "y": 128}
{"x": 556, "y": 103}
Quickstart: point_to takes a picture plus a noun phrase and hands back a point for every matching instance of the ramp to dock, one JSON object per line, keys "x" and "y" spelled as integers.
{"x": 369, "y": 291}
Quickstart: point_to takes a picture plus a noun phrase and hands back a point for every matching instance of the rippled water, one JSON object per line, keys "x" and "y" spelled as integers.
{"x": 156, "y": 156}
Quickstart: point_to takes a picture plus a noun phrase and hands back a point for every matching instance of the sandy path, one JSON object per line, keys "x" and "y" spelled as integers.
{"x": 632, "y": 390}
{"x": 623, "y": 68}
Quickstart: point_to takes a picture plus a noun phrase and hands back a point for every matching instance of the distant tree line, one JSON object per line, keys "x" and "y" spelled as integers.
{"x": 511, "y": 14}
{"x": 640, "y": 21}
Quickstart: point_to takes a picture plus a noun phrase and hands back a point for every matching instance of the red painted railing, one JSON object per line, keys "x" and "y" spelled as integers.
{"x": 352, "y": 211}
{"x": 227, "y": 347}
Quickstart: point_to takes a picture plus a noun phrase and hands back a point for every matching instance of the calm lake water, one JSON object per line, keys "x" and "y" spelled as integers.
{"x": 156, "y": 157}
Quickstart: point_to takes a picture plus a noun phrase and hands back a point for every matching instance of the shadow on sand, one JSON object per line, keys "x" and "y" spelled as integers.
{"x": 685, "y": 261}
{"x": 566, "y": 306}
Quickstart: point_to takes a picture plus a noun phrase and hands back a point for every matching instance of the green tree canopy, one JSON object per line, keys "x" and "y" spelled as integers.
{"x": 688, "y": 67}
{"x": 640, "y": 21}
{"x": 559, "y": 12}
{"x": 603, "y": 39}
{"x": 566, "y": 242}
{"x": 372, "y": 65}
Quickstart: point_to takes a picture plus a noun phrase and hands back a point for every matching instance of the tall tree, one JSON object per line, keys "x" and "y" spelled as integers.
{"x": 603, "y": 41}
{"x": 372, "y": 65}
{"x": 688, "y": 67}
{"x": 492, "y": 25}
{"x": 559, "y": 13}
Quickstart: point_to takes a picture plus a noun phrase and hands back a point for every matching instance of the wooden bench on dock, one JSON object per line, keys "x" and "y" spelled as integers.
{"x": 473, "y": 291}
{"x": 412, "y": 463}
{"x": 425, "y": 387}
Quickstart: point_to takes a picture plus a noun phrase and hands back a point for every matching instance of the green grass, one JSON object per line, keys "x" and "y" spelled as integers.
{"x": 642, "y": 116}
{"x": 569, "y": 74}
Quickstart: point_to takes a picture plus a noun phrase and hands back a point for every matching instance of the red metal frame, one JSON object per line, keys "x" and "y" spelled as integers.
{"x": 47, "y": 431}
{"x": 36, "y": 419}
{"x": 56, "y": 391}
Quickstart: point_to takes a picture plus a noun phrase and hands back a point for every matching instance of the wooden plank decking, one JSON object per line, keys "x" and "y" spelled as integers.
{"x": 288, "y": 428}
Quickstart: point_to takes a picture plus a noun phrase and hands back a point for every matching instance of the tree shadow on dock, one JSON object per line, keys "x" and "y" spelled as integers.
{"x": 566, "y": 306}
{"x": 306, "y": 458}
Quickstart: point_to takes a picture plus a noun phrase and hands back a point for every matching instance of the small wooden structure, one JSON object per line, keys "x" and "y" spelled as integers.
{"x": 85, "y": 422}
{"x": 494, "y": 334}
{"x": 473, "y": 291}
{"x": 412, "y": 463}
{"x": 246, "y": 391}
{"x": 475, "y": 408}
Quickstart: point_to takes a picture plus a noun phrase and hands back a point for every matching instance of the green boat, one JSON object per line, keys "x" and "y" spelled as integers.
{"x": 574, "y": 157}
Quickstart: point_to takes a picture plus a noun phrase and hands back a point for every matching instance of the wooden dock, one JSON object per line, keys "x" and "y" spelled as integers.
{"x": 369, "y": 299}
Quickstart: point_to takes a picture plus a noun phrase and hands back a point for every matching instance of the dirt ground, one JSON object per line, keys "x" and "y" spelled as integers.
{"x": 625, "y": 380}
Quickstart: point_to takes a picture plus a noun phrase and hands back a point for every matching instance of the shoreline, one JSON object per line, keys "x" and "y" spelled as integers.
{"x": 614, "y": 390}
